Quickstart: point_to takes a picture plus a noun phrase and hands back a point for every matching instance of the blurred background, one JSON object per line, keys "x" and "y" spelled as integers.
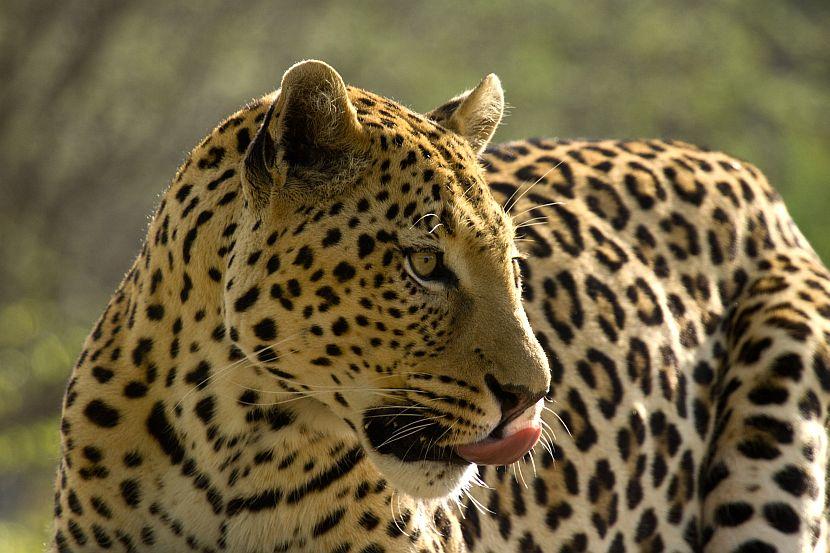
{"x": 101, "y": 100}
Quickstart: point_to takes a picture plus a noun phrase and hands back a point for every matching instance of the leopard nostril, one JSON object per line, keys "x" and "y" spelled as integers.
{"x": 513, "y": 399}
{"x": 507, "y": 397}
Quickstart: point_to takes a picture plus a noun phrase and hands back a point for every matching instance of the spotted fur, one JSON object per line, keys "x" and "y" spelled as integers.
{"x": 269, "y": 377}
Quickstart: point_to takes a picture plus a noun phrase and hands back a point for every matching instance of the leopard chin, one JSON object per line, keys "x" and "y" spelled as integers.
{"x": 425, "y": 479}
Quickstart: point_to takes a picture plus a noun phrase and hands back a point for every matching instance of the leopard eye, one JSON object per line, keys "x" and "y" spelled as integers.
{"x": 425, "y": 265}
{"x": 517, "y": 273}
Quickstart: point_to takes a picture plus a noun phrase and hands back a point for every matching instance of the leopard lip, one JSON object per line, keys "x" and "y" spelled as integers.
{"x": 500, "y": 451}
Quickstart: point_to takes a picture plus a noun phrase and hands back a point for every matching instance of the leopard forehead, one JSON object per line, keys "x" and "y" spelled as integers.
{"x": 426, "y": 174}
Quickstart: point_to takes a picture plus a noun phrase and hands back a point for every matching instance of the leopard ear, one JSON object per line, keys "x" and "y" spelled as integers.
{"x": 309, "y": 133}
{"x": 475, "y": 114}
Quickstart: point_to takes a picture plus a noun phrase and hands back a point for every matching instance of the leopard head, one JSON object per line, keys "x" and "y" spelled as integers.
{"x": 391, "y": 295}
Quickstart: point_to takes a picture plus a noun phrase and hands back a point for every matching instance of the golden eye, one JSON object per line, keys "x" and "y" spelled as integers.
{"x": 425, "y": 264}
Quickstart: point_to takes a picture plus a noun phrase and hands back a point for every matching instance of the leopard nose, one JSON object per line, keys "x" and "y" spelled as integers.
{"x": 513, "y": 399}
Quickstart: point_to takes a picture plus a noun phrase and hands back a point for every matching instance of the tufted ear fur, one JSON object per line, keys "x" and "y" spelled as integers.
{"x": 475, "y": 114}
{"x": 309, "y": 139}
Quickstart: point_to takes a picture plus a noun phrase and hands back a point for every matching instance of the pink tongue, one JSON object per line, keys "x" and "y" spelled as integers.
{"x": 491, "y": 451}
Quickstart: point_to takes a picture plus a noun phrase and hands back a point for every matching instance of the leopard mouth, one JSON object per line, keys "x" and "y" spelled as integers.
{"x": 504, "y": 450}
{"x": 390, "y": 433}
{"x": 410, "y": 439}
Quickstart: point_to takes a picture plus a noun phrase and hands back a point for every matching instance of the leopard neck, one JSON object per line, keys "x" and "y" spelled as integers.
{"x": 165, "y": 424}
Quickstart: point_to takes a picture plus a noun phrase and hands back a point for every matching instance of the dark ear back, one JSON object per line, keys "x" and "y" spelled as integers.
{"x": 309, "y": 132}
{"x": 259, "y": 175}
{"x": 475, "y": 114}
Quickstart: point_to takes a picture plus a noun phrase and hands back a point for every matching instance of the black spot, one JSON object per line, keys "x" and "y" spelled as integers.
{"x": 212, "y": 159}
{"x": 340, "y": 326}
{"x": 755, "y": 546}
{"x": 330, "y": 521}
{"x": 717, "y": 474}
{"x": 218, "y": 333}
{"x": 646, "y": 526}
{"x": 344, "y": 271}
{"x": 751, "y": 351}
{"x": 131, "y": 492}
{"x": 782, "y": 431}
{"x": 368, "y": 521}
{"x": 273, "y": 264}
{"x": 93, "y": 454}
{"x": 190, "y": 207}
{"x": 158, "y": 425}
{"x": 147, "y": 536}
{"x": 243, "y": 138}
{"x": 733, "y": 514}
{"x": 101, "y": 537}
{"x": 768, "y": 394}
{"x": 275, "y": 417}
{"x": 392, "y": 212}
{"x": 758, "y": 448}
{"x": 102, "y": 374}
{"x": 782, "y": 517}
{"x": 77, "y": 533}
{"x": 101, "y": 507}
{"x": 809, "y": 405}
{"x": 266, "y": 330}
{"x": 135, "y": 389}
{"x": 212, "y": 185}
{"x": 796, "y": 481}
{"x": 204, "y": 409}
{"x": 155, "y": 312}
{"x": 305, "y": 258}
{"x": 199, "y": 376}
{"x": 263, "y": 457}
{"x": 254, "y": 257}
{"x": 332, "y": 237}
{"x": 144, "y": 346}
{"x": 365, "y": 245}
{"x": 187, "y": 286}
{"x": 101, "y": 414}
{"x": 247, "y": 299}
{"x": 187, "y": 244}
{"x": 132, "y": 459}
{"x": 409, "y": 160}
{"x": 183, "y": 192}
{"x": 822, "y": 371}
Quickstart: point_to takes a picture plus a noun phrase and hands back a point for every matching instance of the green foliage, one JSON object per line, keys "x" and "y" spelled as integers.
{"x": 100, "y": 101}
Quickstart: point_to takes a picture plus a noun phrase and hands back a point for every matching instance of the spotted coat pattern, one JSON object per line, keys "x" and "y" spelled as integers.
{"x": 221, "y": 403}
{"x": 686, "y": 320}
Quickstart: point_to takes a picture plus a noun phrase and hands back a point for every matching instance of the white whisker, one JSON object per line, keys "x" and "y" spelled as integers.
{"x": 516, "y": 201}
{"x": 524, "y": 225}
{"x": 421, "y": 218}
{"x": 565, "y": 426}
{"x": 516, "y": 216}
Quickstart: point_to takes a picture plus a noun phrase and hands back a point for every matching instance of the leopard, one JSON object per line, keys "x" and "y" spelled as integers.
{"x": 354, "y": 328}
